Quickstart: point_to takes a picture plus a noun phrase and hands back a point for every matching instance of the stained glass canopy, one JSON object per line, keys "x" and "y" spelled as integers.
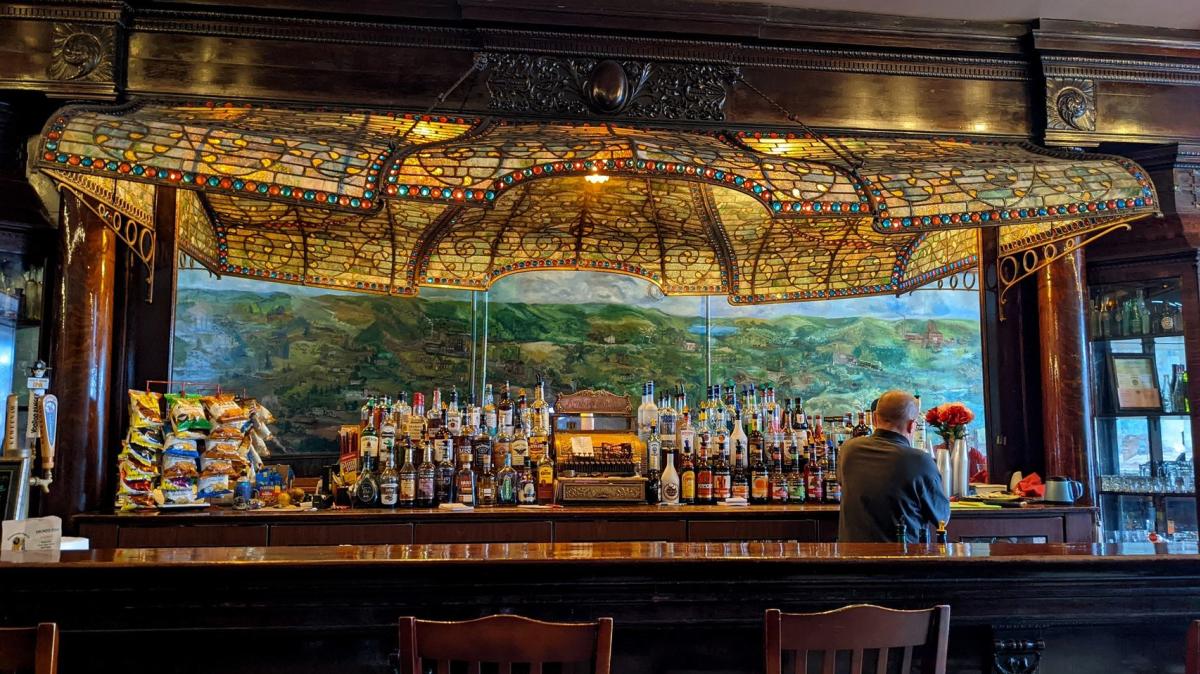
{"x": 389, "y": 202}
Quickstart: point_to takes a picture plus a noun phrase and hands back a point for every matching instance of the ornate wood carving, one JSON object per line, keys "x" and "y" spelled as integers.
{"x": 562, "y": 85}
{"x": 1017, "y": 655}
{"x": 592, "y": 400}
{"x": 1070, "y": 104}
{"x": 82, "y": 52}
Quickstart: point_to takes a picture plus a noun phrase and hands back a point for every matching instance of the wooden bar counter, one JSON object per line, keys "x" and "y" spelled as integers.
{"x": 805, "y": 523}
{"x": 679, "y": 607}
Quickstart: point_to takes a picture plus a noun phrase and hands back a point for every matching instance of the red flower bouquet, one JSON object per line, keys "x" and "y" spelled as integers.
{"x": 950, "y": 420}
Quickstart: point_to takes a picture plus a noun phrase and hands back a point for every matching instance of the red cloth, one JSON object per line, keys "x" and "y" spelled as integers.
{"x": 977, "y": 466}
{"x": 1031, "y": 486}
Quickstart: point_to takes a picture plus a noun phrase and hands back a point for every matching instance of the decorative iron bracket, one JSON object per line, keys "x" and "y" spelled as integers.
{"x": 1018, "y": 266}
{"x": 138, "y": 236}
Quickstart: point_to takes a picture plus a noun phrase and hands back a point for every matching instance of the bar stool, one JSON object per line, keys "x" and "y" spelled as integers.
{"x": 1193, "y": 649}
{"x": 504, "y": 640}
{"x": 29, "y": 649}
{"x": 862, "y": 630}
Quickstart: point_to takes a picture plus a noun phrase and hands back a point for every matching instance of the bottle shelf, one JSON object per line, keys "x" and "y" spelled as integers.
{"x": 1179, "y": 494}
{"x": 1133, "y": 337}
{"x": 1146, "y": 414}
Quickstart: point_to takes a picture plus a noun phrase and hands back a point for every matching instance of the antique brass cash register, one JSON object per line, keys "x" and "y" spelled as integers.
{"x": 599, "y": 457}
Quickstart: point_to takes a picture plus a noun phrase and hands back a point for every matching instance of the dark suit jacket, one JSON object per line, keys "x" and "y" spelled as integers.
{"x": 885, "y": 482}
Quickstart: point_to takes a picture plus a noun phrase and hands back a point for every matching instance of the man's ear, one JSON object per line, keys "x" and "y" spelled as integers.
{"x": 912, "y": 426}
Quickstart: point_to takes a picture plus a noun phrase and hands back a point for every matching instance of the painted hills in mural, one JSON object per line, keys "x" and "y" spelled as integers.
{"x": 310, "y": 357}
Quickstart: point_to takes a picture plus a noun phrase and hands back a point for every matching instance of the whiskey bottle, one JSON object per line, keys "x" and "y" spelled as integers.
{"x": 539, "y": 425}
{"x": 860, "y": 429}
{"x": 778, "y": 483}
{"x": 481, "y": 449}
{"x": 670, "y": 480}
{"x": 464, "y": 482}
{"x": 502, "y": 445}
{"x": 507, "y": 483}
{"x": 453, "y": 419}
{"x": 486, "y": 485}
{"x": 389, "y": 483}
{"x": 815, "y": 478}
{"x": 414, "y": 423}
{"x": 687, "y": 476}
{"x": 368, "y": 443}
{"x": 443, "y": 480}
{"x": 527, "y": 485}
{"x": 366, "y": 488}
{"x": 722, "y": 487}
{"x": 545, "y": 479}
{"x": 490, "y": 416}
{"x": 831, "y": 489}
{"x": 704, "y": 478}
{"x": 739, "y": 480}
{"x": 797, "y": 489}
{"x": 427, "y": 480}
{"x": 760, "y": 480}
{"x": 504, "y": 411}
{"x": 442, "y": 439}
{"x": 653, "y": 487}
{"x": 408, "y": 479}
{"x": 519, "y": 447}
{"x": 434, "y": 416}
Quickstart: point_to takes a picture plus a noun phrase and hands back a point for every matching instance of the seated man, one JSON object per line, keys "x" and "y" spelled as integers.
{"x": 886, "y": 482}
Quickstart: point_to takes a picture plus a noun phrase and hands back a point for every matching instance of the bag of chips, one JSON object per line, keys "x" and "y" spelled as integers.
{"x": 227, "y": 432}
{"x": 223, "y": 409}
{"x": 214, "y": 487}
{"x": 145, "y": 409}
{"x": 141, "y": 457}
{"x": 179, "y": 463}
{"x": 147, "y": 438}
{"x": 186, "y": 413}
{"x": 134, "y": 479}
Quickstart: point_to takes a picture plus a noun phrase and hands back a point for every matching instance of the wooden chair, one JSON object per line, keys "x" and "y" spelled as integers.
{"x": 504, "y": 640}
{"x": 1193, "y": 649}
{"x": 863, "y": 631}
{"x": 32, "y": 649}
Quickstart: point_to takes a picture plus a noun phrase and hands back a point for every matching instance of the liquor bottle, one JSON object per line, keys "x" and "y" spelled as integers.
{"x": 368, "y": 443}
{"x": 519, "y": 447}
{"x": 704, "y": 478}
{"x": 737, "y": 438}
{"x": 414, "y": 423}
{"x": 408, "y": 479}
{"x": 433, "y": 416}
{"x": 653, "y": 466}
{"x": 441, "y": 438}
{"x": 797, "y": 487}
{"x": 538, "y": 430}
{"x": 507, "y": 483}
{"x": 502, "y": 445}
{"x": 739, "y": 479}
{"x": 527, "y": 487}
{"x": 453, "y": 419}
{"x": 389, "y": 483}
{"x": 814, "y": 477}
{"x": 919, "y": 425}
{"x": 778, "y": 483}
{"x": 860, "y": 429}
{"x": 545, "y": 479}
{"x": 485, "y": 484}
{"x": 668, "y": 421}
{"x": 464, "y": 482}
{"x": 490, "y": 416}
{"x": 670, "y": 480}
{"x": 654, "y": 451}
{"x": 760, "y": 480}
{"x": 504, "y": 411}
{"x": 647, "y": 412}
{"x": 387, "y": 434}
{"x": 755, "y": 440}
{"x": 443, "y": 479}
{"x": 831, "y": 489}
{"x": 521, "y": 409}
{"x": 427, "y": 480}
{"x": 687, "y": 476}
{"x": 481, "y": 448}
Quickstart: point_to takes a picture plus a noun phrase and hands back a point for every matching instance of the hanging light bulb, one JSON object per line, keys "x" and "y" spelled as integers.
{"x": 596, "y": 177}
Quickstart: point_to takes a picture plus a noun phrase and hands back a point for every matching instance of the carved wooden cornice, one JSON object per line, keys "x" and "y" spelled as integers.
{"x": 92, "y": 12}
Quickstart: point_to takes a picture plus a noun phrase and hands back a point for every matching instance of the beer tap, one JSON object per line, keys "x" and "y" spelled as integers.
{"x": 41, "y": 435}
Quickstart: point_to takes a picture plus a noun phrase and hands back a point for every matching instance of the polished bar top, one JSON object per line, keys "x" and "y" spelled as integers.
{"x": 212, "y": 514}
{"x": 608, "y": 553}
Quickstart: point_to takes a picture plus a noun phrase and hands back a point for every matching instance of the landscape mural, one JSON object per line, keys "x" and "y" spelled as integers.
{"x": 312, "y": 354}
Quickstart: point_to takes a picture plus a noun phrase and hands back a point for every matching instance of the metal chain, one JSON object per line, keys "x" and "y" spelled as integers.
{"x": 841, "y": 153}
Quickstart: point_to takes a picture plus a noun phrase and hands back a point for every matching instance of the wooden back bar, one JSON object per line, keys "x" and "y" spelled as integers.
{"x": 815, "y": 523}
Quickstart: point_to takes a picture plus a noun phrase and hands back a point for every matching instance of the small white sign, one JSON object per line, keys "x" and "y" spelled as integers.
{"x": 581, "y": 445}
{"x": 37, "y": 383}
{"x": 39, "y": 533}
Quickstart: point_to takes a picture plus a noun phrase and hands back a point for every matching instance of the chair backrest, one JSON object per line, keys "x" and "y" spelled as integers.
{"x": 29, "y": 649}
{"x": 504, "y": 640}
{"x": 868, "y": 637}
{"x": 1193, "y": 649}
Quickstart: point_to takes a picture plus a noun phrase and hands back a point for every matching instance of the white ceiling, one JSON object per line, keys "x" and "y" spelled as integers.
{"x": 1183, "y": 14}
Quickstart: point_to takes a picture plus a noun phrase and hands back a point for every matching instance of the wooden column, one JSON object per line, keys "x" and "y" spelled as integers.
{"x": 81, "y": 338}
{"x": 1066, "y": 405}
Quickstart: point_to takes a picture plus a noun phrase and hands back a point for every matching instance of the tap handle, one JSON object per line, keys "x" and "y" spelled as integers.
{"x": 49, "y": 426}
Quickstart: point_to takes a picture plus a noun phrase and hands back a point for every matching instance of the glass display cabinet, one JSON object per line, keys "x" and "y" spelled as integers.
{"x": 1142, "y": 425}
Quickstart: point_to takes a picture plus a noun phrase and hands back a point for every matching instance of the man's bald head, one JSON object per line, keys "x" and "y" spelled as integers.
{"x": 897, "y": 411}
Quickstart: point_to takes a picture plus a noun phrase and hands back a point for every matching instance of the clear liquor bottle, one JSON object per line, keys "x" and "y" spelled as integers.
{"x": 490, "y": 416}
{"x": 507, "y": 483}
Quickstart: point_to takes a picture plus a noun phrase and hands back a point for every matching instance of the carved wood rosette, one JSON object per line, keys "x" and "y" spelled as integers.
{"x": 543, "y": 84}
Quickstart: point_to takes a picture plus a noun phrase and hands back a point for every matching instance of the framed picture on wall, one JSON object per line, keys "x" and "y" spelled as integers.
{"x": 1135, "y": 382}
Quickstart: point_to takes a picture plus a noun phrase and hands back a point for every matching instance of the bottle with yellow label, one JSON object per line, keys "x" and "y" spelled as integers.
{"x": 687, "y": 477}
